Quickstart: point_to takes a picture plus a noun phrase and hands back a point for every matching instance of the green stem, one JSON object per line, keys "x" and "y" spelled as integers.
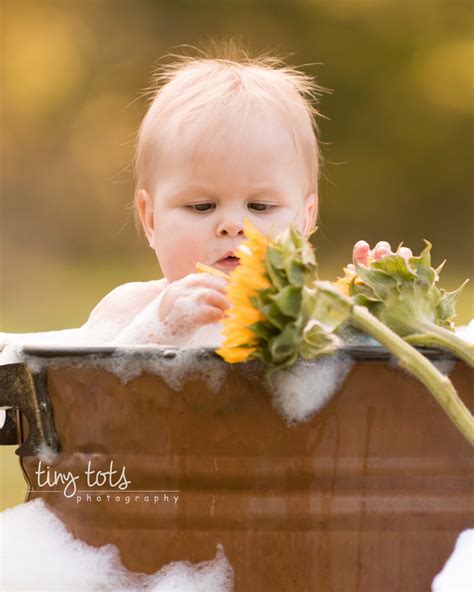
{"x": 437, "y": 383}
{"x": 439, "y": 337}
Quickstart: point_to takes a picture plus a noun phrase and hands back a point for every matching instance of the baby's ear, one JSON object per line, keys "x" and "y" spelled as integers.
{"x": 310, "y": 213}
{"x": 145, "y": 211}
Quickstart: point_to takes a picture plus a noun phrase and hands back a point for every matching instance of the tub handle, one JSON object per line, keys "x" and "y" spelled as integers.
{"x": 9, "y": 431}
{"x": 22, "y": 391}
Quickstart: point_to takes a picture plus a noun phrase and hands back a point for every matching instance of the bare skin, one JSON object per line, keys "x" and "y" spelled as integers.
{"x": 362, "y": 251}
{"x": 210, "y": 180}
{"x": 206, "y": 186}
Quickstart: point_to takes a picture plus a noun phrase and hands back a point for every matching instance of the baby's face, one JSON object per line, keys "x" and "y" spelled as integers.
{"x": 206, "y": 188}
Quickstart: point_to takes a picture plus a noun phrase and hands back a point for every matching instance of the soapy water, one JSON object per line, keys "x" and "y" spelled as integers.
{"x": 466, "y": 332}
{"x": 38, "y": 553}
{"x": 175, "y": 366}
{"x": 303, "y": 389}
{"x": 58, "y": 561}
{"x": 189, "y": 324}
{"x": 353, "y": 336}
{"x": 46, "y": 454}
{"x": 446, "y": 366}
{"x": 298, "y": 393}
{"x": 457, "y": 574}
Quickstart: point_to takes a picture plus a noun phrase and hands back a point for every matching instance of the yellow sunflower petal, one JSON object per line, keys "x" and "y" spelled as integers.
{"x": 234, "y": 355}
{"x": 245, "y": 281}
{"x": 205, "y": 268}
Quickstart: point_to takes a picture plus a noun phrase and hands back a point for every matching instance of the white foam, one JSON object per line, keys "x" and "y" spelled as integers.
{"x": 38, "y": 553}
{"x": 302, "y": 390}
{"x": 175, "y": 366}
{"x": 445, "y": 366}
{"x": 466, "y": 332}
{"x": 45, "y": 453}
{"x": 215, "y": 575}
{"x": 458, "y": 573}
{"x": 74, "y": 336}
{"x": 11, "y": 344}
{"x": 188, "y": 323}
{"x": 352, "y": 336}
{"x": 209, "y": 336}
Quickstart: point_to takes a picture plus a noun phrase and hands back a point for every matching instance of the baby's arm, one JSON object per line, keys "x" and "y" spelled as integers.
{"x": 119, "y": 307}
{"x": 183, "y": 307}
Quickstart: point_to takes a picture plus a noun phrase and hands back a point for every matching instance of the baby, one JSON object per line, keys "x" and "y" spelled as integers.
{"x": 223, "y": 140}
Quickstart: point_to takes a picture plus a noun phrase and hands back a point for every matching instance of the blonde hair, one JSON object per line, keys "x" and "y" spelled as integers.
{"x": 226, "y": 79}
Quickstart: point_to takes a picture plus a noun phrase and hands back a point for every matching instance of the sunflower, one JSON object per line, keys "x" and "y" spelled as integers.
{"x": 343, "y": 284}
{"x": 271, "y": 298}
{"x": 280, "y": 311}
{"x": 245, "y": 282}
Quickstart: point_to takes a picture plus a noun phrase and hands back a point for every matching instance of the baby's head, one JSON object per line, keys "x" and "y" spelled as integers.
{"x": 225, "y": 140}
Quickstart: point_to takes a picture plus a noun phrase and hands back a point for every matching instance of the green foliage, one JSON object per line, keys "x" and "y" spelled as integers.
{"x": 403, "y": 294}
{"x": 288, "y": 304}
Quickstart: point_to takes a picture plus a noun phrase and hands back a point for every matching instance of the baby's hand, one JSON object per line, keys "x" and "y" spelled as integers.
{"x": 362, "y": 253}
{"x": 189, "y": 303}
{"x": 182, "y": 308}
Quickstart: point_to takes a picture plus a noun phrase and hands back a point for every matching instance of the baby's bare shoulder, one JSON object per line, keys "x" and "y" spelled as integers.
{"x": 126, "y": 301}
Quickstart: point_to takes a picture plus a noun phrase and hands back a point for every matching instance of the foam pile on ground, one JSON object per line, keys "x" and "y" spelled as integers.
{"x": 32, "y": 536}
{"x": 303, "y": 389}
{"x": 458, "y": 573}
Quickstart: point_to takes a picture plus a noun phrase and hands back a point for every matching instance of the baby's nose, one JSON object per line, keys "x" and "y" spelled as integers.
{"x": 230, "y": 228}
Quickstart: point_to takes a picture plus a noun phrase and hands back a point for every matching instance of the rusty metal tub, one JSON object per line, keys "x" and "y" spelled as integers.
{"x": 368, "y": 495}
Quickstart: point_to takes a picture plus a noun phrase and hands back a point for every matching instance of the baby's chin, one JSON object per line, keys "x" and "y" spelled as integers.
{"x": 226, "y": 265}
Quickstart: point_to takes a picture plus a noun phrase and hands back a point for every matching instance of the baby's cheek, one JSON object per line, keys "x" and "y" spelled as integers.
{"x": 178, "y": 256}
{"x": 280, "y": 221}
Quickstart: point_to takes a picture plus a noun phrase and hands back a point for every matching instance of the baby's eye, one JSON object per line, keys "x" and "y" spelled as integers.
{"x": 202, "y": 207}
{"x": 259, "y": 207}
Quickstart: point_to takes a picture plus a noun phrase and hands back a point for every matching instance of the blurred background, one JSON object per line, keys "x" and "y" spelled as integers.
{"x": 397, "y": 137}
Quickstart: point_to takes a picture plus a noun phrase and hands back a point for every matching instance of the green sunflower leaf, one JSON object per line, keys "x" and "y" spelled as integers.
{"x": 285, "y": 344}
{"x": 288, "y": 300}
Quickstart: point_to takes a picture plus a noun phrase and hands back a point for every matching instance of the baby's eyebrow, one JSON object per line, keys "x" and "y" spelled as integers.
{"x": 262, "y": 191}
{"x": 183, "y": 192}
{"x": 254, "y": 192}
{"x": 269, "y": 192}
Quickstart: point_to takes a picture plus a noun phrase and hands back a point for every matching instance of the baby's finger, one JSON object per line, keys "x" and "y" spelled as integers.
{"x": 203, "y": 279}
{"x": 209, "y": 314}
{"x": 188, "y": 317}
{"x": 212, "y": 297}
{"x": 406, "y": 253}
{"x": 361, "y": 252}
{"x": 382, "y": 249}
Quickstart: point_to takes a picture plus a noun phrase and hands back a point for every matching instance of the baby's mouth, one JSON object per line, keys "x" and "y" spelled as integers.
{"x": 228, "y": 262}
